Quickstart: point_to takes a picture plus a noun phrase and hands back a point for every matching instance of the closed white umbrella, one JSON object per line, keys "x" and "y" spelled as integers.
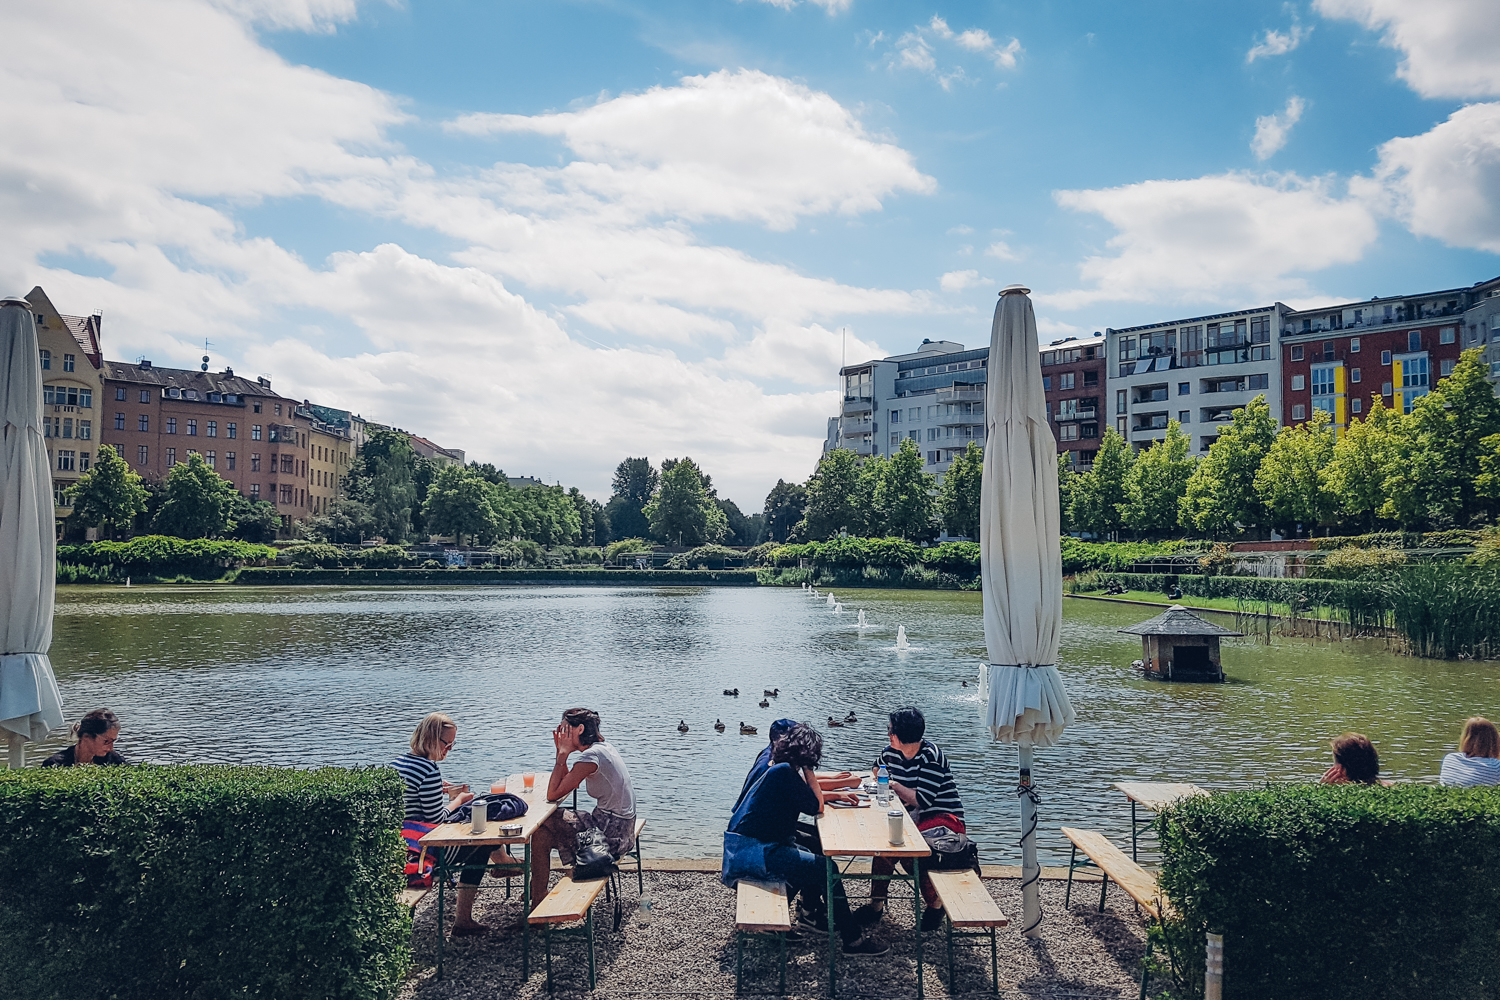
{"x": 29, "y": 701}
{"x": 1021, "y": 566}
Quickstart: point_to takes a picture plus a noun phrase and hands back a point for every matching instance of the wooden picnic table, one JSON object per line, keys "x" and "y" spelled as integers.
{"x": 454, "y": 835}
{"x": 862, "y": 833}
{"x": 1154, "y": 796}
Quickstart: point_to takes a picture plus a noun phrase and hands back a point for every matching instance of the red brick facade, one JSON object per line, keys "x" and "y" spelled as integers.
{"x": 1073, "y": 374}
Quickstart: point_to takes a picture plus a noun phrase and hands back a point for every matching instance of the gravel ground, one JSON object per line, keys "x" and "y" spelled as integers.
{"x": 688, "y": 950}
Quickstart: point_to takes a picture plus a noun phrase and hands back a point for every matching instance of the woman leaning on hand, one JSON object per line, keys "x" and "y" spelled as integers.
{"x": 93, "y": 742}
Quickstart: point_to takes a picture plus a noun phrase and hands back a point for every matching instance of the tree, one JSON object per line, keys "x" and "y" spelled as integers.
{"x": 603, "y": 530}
{"x": 461, "y": 502}
{"x": 905, "y": 495}
{"x": 785, "y": 506}
{"x": 383, "y": 476}
{"x": 1099, "y": 493}
{"x": 253, "y": 520}
{"x": 343, "y": 521}
{"x": 635, "y": 483}
{"x": 682, "y": 511}
{"x": 423, "y": 472}
{"x": 1363, "y": 458}
{"x": 1221, "y": 491}
{"x": 831, "y": 505}
{"x": 868, "y": 517}
{"x": 742, "y": 530}
{"x": 1067, "y": 480}
{"x": 959, "y": 493}
{"x": 1291, "y": 478}
{"x": 1441, "y": 444}
{"x": 1156, "y": 482}
{"x": 198, "y": 501}
{"x": 109, "y": 495}
{"x": 585, "y": 508}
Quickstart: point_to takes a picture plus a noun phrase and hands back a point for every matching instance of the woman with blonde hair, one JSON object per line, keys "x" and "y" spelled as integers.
{"x": 1477, "y": 761}
{"x": 426, "y": 792}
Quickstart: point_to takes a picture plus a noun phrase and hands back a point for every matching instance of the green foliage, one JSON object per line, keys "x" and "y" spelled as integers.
{"x": 904, "y": 495}
{"x": 147, "y": 881}
{"x": 1448, "y": 608}
{"x": 1354, "y": 478}
{"x": 109, "y": 495}
{"x": 315, "y": 554}
{"x": 543, "y": 514}
{"x": 1291, "y": 480}
{"x": 383, "y": 476}
{"x": 1079, "y": 556}
{"x": 1067, "y": 481}
{"x": 198, "y": 501}
{"x": 383, "y": 557}
{"x": 1221, "y": 491}
{"x": 851, "y": 551}
{"x": 959, "y": 492}
{"x": 624, "y": 545}
{"x": 1354, "y": 563}
{"x": 704, "y": 557}
{"x": 481, "y": 575}
{"x": 831, "y": 498}
{"x": 460, "y": 502}
{"x": 786, "y": 505}
{"x": 1098, "y": 495}
{"x": 1155, "y": 484}
{"x": 165, "y": 556}
{"x": 345, "y": 521}
{"x": 762, "y": 554}
{"x": 1336, "y": 892}
{"x": 519, "y": 552}
{"x": 635, "y": 483}
{"x": 953, "y": 557}
{"x": 683, "y": 509}
{"x": 253, "y": 520}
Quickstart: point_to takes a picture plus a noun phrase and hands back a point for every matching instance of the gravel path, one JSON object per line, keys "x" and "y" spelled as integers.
{"x": 688, "y": 950}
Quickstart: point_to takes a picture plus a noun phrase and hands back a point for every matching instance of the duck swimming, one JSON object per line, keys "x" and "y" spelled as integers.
{"x": 764, "y": 703}
{"x": 772, "y": 693}
{"x": 850, "y": 717}
{"x": 735, "y": 693}
{"x": 746, "y": 730}
{"x": 834, "y": 723}
{"x": 719, "y": 725}
{"x": 682, "y": 726}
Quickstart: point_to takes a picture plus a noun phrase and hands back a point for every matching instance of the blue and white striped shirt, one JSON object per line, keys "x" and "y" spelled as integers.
{"x": 425, "y": 802}
{"x": 1462, "y": 771}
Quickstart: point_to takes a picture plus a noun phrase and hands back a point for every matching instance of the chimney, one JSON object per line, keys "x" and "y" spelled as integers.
{"x": 145, "y": 365}
{"x": 228, "y": 372}
{"x": 263, "y": 382}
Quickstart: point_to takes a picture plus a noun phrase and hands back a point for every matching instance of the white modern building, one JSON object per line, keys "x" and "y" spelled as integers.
{"x": 1482, "y": 325}
{"x": 1195, "y": 371}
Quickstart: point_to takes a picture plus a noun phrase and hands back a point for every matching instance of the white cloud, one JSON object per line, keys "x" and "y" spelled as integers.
{"x": 295, "y": 15}
{"x": 916, "y": 50}
{"x": 960, "y": 230}
{"x": 1278, "y": 43}
{"x": 1448, "y": 47}
{"x": 187, "y": 118}
{"x": 1001, "y": 251}
{"x": 831, "y": 6}
{"x": 958, "y": 281}
{"x": 1271, "y": 131}
{"x": 1444, "y": 183}
{"x": 1225, "y": 236}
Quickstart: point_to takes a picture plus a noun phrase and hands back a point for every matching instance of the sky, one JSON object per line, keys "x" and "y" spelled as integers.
{"x": 557, "y": 234}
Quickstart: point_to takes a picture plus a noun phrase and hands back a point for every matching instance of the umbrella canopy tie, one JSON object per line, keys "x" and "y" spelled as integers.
{"x": 1026, "y": 790}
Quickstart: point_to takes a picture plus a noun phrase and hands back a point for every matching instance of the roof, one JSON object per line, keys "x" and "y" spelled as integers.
{"x": 1178, "y": 620}
{"x": 186, "y": 378}
{"x": 1200, "y": 319}
{"x": 85, "y": 331}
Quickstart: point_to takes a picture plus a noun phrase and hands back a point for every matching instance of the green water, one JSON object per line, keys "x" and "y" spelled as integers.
{"x": 309, "y": 676}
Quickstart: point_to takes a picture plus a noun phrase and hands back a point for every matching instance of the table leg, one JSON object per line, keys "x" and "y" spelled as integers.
{"x": 441, "y": 875}
{"x": 832, "y": 935}
{"x": 1133, "y": 828}
{"x": 526, "y": 918}
{"x": 916, "y": 887}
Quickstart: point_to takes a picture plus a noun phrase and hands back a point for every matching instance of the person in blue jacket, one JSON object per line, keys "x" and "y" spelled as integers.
{"x": 760, "y": 843}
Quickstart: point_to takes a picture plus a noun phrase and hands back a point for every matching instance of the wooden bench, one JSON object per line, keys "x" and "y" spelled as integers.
{"x": 760, "y": 908}
{"x": 569, "y": 902}
{"x": 1113, "y": 864}
{"x": 409, "y": 898}
{"x": 635, "y": 851}
{"x": 969, "y": 911}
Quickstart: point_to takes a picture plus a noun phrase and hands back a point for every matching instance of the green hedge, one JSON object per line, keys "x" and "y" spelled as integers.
{"x": 1327, "y": 892}
{"x": 481, "y": 575}
{"x": 201, "y": 882}
{"x": 883, "y": 577}
{"x": 1079, "y": 556}
{"x": 1451, "y": 539}
{"x": 164, "y": 555}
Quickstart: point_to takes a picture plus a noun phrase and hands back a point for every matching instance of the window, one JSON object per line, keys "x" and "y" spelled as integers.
{"x": 1327, "y": 350}
{"x": 171, "y": 457}
{"x": 1409, "y": 398}
{"x": 255, "y": 432}
{"x": 932, "y": 457}
{"x": 255, "y": 491}
{"x": 1385, "y": 357}
{"x": 119, "y": 421}
{"x": 86, "y": 399}
{"x": 1322, "y": 380}
{"x": 1184, "y": 416}
{"x": 83, "y": 461}
{"x": 145, "y": 395}
{"x": 254, "y": 463}
{"x": 1385, "y": 389}
{"x": 141, "y": 455}
{"x": 257, "y": 407}
{"x": 1297, "y": 354}
{"x": 1414, "y": 340}
{"x": 895, "y": 417}
{"x": 143, "y": 422}
{"x": 1184, "y": 388}
{"x": 47, "y": 427}
{"x": 229, "y": 460}
{"x": 120, "y": 393}
{"x": 1414, "y": 373}
{"x": 85, "y": 430}
{"x": 1354, "y": 341}
{"x": 46, "y": 357}
{"x": 1325, "y": 404}
{"x": 914, "y": 435}
{"x": 67, "y": 427}
{"x": 1297, "y": 381}
{"x": 192, "y": 428}
{"x": 1258, "y": 382}
{"x": 1067, "y": 432}
{"x": 211, "y": 459}
{"x": 1356, "y": 405}
{"x": 67, "y": 461}
{"x": 231, "y": 430}
{"x": 895, "y": 439}
{"x": 914, "y": 414}
{"x": 1046, "y": 383}
{"x": 932, "y": 433}
{"x": 1127, "y": 348}
{"x": 211, "y": 429}
{"x": 1445, "y": 336}
{"x": 278, "y": 409}
{"x": 1354, "y": 375}
{"x": 1447, "y": 368}
{"x": 68, "y": 362}
{"x": 1090, "y": 379}
{"x": 1120, "y": 424}
{"x": 1299, "y": 412}
{"x": 1119, "y": 400}
{"x": 1066, "y": 380}
{"x": 286, "y": 495}
{"x": 1049, "y": 357}
{"x": 171, "y": 425}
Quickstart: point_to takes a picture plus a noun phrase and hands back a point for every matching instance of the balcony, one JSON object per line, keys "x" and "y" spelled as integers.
{"x": 1150, "y": 396}
{"x": 962, "y": 420}
{"x": 851, "y": 428}
{"x": 1088, "y": 413}
{"x": 954, "y": 394}
{"x": 863, "y": 448}
{"x": 858, "y": 404}
{"x": 1154, "y": 423}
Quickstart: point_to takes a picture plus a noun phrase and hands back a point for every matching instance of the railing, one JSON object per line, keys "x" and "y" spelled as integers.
{"x": 1156, "y": 424}
{"x": 858, "y": 404}
{"x": 1154, "y": 396}
{"x": 1089, "y": 413}
{"x": 954, "y": 393}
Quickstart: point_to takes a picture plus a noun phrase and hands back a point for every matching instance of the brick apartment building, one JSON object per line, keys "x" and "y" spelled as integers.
{"x": 1073, "y": 376}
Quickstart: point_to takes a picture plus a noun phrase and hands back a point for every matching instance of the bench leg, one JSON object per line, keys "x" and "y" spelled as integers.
{"x": 948, "y": 924}
{"x": 1072, "y": 862}
{"x": 833, "y": 940}
{"x": 548, "y": 938}
{"x": 994, "y": 965}
{"x": 442, "y": 878}
{"x": 781, "y": 983}
{"x": 640, "y": 878}
{"x": 525, "y": 916}
{"x": 588, "y": 924}
{"x": 1103, "y": 888}
{"x": 916, "y": 888}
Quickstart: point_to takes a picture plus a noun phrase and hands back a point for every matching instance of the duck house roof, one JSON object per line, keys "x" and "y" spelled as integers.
{"x": 1178, "y": 620}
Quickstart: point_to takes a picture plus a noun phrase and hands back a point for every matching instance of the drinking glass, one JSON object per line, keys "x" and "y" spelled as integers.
{"x": 497, "y": 786}
{"x": 529, "y": 780}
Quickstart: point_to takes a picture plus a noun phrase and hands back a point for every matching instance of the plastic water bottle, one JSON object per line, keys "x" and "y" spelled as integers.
{"x": 643, "y": 911}
{"x": 882, "y": 785}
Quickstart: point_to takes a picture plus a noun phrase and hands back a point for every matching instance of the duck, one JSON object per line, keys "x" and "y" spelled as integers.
{"x": 719, "y": 725}
{"x": 734, "y": 693}
{"x": 764, "y": 703}
{"x": 772, "y": 692}
{"x": 682, "y": 726}
{"x": 965, "y": 683}
{"x": 746, "y": 730}
{"x": 850, "y": 717}
{"x": 834, "y": 723}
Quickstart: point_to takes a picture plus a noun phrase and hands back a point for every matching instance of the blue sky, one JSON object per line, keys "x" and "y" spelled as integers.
{"x": 557, "y": 234}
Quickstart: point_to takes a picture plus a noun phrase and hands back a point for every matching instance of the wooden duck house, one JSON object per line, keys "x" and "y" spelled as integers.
{"x": 1177, "y": 645}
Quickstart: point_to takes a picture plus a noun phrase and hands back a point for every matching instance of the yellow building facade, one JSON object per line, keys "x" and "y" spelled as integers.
{"x": 70, "y": 358}
{"x": 328, "y": 464}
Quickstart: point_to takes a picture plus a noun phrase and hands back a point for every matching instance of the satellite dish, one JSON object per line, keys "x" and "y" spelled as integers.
{"x": 203, "y": 367}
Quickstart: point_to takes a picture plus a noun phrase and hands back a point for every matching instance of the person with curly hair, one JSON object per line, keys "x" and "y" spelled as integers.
{"x": 1355, "y": 762}
{"x": 761, "y": 841}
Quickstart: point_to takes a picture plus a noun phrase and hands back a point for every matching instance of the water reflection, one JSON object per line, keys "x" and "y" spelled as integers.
{"x": 340, "y": 676}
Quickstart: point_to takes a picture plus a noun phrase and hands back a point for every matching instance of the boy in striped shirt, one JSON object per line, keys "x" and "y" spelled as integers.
{"x": 920, "y": 778}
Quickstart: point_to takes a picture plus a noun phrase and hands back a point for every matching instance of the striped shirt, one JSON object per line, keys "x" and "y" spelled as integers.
{"x": 1462, "y": 771}
{"x": 928, "y": 776}
{"x": 425, "y": 802}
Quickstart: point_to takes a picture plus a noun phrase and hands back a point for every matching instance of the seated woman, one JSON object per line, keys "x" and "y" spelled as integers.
{"x": 608, "y": 781}
{"x": 760, "y": 843}
{"x": 1477, "y": 761}
{"x": 93, "y": 741}
{"x": 425, "y": 792}
{"x": 1355, "y": 762}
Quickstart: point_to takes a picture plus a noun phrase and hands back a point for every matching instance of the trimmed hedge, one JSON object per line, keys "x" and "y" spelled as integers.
{"x": 1079, "y": 556}
{"x": 1329, "y": 892}
{"x": 884, "y": 577}
{"x": 164, "y": 555}
{"x": 201, "y": 882}
{"x": 480, "y": 575}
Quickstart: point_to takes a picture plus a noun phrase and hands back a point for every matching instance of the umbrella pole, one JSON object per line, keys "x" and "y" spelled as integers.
{"x": 1031, "y": 872}
{"x": 17, "y": 751}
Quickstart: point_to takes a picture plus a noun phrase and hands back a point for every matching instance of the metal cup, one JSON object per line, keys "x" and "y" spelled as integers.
{"x": 479, "y": 817}
{"x": 894, "y": 821}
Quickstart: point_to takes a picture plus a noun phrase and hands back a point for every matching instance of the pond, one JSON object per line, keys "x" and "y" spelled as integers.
{"x": 313, "y": 676}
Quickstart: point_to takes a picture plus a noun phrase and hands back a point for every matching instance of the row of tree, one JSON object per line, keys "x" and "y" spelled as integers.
{"x": 194, "y": 501}
{"x": 676, "y": 505}
{"x": 1436, "y": 467}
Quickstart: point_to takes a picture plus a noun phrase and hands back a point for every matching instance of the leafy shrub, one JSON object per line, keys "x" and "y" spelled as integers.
{"x": 1337, "y": 892}
{"x": 316, "y": 555}
{"x": 1352, "y": 563}
{"x": 762, "y": 554}
{"x": 1078, "y": 555}
{"x": 1487, "y": 549}
{"x": 1447, "y": 608}
{"x": 704, "y": 557}
{"x": 71, "y": 573}
{"x": 624, "y": 545}
{"x": 166, "y": 555}
{"x": 580, "y": 555}
{"x": 1456, "y": 538}
{"x": 382, "y": 557}
{"x": 957, "y": 557}
{"x": 524, "y": 552}
{"x": 147, "y": 881}
{"x": 431, "y": 564}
